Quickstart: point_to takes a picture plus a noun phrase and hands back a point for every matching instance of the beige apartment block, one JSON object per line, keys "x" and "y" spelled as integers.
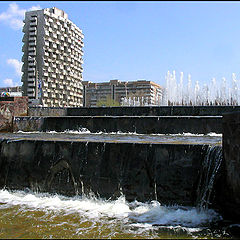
{"x": 52, "y": 59}
{"x": 141, "y": 91}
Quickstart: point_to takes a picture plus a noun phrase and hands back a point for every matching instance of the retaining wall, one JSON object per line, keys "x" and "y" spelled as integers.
{"x": 134, "y": 111}
{"x": 229, "y": 196}
{"x": 166, "y": 172}
{"x": 138, "y": 124}
{"x": 153, "y": 111}
{"x": 47, "y": 111}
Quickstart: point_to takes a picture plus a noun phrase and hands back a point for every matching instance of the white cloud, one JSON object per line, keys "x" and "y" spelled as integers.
{"x": 8, "y": 82}
{"x": 34, "y": 8}
{"x": 17, "y": 65}
{"x": 14, "y": 15}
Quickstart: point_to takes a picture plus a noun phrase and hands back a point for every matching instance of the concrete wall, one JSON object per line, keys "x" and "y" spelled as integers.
{"x": 47, "y": 111}
{"x": 9, "y": 107}
{"x": 143, "y": 125}
{"x": 134, "y": 111}
{"x": 229, "y": 197}
{"x": 144, "y": 172}
{"x": 153, "y": 111}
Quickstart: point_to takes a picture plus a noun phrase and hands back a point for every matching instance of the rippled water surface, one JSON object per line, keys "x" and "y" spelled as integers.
{"x": 31, "y": 215}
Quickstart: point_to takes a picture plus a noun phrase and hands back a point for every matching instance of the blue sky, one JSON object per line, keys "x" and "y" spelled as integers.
{"x": 132, "y": 40}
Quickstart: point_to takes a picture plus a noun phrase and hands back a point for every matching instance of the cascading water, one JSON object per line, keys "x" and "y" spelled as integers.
{"x": 210, "y": 167}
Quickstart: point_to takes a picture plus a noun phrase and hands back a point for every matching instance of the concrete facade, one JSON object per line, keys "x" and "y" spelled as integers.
{"x": 52, "y": 59}
{"x": 117, "y": 91}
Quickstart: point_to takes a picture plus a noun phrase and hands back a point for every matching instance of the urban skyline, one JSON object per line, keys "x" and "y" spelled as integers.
{"x": 137, "y": 40}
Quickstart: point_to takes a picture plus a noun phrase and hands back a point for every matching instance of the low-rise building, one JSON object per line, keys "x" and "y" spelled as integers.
{"x": 129, "y": 93}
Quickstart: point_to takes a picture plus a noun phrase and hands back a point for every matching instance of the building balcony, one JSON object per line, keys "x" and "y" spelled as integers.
{"x": 33, "y": 33}
{"x": 32, "y": 28}
{"x": 52, "y": 85}
{"x": 31, "y": 74}
{"x": 31, "y": 94}
{"x": 32, "y": 84}
{"x": 31, "y": 49}
{"x": 33, "y": 43}
{"x": 53, "y": 65}
{"x": 31, "y": 69}
{"x": 47, "y": 23}
{"x": 34, "y": 23}
{"x": 45, "y": 94}
{"x": 33, "y": 18}
{"x": 30, "y": 90}
{"x": 31, "y": 64}
{"x": 32, "y": 38}
{"x": 31, "y": 80}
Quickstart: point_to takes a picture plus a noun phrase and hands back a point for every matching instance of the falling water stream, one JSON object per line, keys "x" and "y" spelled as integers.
{"x": 27, "y": 214}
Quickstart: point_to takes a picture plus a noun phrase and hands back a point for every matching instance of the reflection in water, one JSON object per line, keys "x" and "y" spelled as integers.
{"x": 30, "y": 215}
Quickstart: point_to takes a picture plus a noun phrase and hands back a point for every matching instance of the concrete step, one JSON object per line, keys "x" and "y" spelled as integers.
{"x": 142, "y": 171}
{"x": 138, "y": 124}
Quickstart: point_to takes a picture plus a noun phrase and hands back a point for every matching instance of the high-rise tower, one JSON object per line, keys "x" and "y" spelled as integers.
{"x": 52, "y": 59}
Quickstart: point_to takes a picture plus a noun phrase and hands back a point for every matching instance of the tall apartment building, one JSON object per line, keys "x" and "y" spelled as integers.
{"x": 149, "y": 91}
{"x": 52, "y": 59}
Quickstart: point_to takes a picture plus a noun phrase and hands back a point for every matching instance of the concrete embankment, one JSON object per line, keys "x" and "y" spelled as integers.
{"x": 138, "y": 124}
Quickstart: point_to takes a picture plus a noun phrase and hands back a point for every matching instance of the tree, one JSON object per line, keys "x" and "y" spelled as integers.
{"x": 108, "y": 102}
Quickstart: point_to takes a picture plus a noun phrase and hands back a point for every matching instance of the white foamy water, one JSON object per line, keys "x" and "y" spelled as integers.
{"x": 136, "y": 213}
{"x": 86, "y": 131}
